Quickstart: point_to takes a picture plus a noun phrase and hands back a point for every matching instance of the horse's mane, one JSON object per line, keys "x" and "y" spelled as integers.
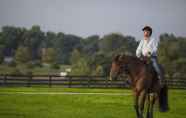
{"x": 129, "y": 59}
{"x": 133, "y": 59}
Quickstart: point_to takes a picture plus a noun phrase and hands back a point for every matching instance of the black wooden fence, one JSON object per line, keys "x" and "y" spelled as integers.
{"x": 76, "y": 81}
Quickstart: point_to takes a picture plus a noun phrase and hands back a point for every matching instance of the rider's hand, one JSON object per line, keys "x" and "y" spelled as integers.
{"x": 149, "y": 54}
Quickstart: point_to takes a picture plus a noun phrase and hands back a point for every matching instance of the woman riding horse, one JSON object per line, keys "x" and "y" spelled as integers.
{"x": 146, "y": 83}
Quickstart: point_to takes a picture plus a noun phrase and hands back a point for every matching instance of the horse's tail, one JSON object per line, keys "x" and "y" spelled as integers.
{"x": 163, "y": 99}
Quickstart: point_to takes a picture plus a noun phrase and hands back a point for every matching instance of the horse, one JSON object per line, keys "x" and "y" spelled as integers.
{"x": 144, "y": 83}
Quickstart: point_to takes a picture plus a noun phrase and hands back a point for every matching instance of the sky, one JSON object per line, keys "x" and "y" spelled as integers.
{"x": 101, "y": 17}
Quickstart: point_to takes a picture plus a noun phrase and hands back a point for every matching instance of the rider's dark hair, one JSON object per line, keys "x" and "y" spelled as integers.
{"x": 148, "y": 28}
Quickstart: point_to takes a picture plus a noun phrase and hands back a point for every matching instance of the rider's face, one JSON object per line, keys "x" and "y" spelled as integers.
{"x": 146, "y": 33}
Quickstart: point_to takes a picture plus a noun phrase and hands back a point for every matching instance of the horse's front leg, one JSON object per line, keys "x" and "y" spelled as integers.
{"x": 139, "y": 103}
{"x": 136, "y": 106}
{"x": 142, "y": 102}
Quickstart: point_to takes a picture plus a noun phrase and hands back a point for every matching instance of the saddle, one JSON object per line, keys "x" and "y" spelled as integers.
{"x": 147, "y": 61}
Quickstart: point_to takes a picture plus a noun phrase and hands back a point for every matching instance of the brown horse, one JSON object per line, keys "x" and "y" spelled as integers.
{"x": 144, "y": 82}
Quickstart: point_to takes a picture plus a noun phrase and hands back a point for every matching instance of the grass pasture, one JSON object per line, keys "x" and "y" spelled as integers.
{"x": 40, "y": 102}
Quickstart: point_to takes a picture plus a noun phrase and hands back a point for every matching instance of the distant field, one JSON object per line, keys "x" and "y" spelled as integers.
{"x": 37, "y": 102}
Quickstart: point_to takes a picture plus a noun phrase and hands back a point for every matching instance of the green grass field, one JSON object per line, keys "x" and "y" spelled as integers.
{"x": 40, "y": 102}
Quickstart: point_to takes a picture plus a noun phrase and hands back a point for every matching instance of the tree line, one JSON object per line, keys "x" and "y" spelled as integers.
{"x": 92, "y": 55}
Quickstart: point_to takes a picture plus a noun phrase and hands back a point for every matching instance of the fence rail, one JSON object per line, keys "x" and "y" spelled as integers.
{"x": 76, "y": 81}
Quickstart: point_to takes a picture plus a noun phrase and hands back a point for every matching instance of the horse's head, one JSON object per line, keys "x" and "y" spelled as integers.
{"x": 118, "y": 66}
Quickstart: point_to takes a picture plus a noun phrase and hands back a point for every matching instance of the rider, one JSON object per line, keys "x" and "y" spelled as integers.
{"x": 148, "y": 48}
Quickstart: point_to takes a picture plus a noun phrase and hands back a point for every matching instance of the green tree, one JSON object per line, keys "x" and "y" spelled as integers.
{"x": 49, "y": 55}
{"x": 81, "y": 67}
{"x": 58, "y": 44}
{"x": 172, "y": 53}
{"x": 1, "y": 54}
{"x": 117, "y": 43}
{"x": 64, "y": 45}
{"x": 99, "y": 70}
{"x": 22, "y": 55}
{"x": 33, "y": 40}
{"x": 49, "y": 41}
{"x": 10, "y": 37}
{"x": 2, "y": 45}
{"x": 80, "y": 64}
{"x": 91, "y": 45}
{"x": 75, "y": 56}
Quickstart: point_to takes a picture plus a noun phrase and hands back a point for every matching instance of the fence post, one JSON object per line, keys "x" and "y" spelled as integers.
{"x": 89, "y": 79}
{"x": 50, "y": 81}
{"x": 29, "y": 81}
{"x": 171, "y": 82}
{"x": 5, "y": 78}
{"x": 69, "y": 82}
{"x": 106, "y": 82}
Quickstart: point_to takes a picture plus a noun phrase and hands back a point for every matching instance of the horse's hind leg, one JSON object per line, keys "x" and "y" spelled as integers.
{"x": 139, "y": 103}
{"x": 148, "y": 106}
{"x": 136, "y": 106}
{"x": 142, "y": 102}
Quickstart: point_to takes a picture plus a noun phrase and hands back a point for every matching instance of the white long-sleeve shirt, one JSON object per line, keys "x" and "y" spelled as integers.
{"x": 147, "y": 46}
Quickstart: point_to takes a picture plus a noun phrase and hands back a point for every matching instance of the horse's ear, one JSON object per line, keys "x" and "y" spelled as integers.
{"x": 116, "y": 58}
{"x": 121, "y": 57}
